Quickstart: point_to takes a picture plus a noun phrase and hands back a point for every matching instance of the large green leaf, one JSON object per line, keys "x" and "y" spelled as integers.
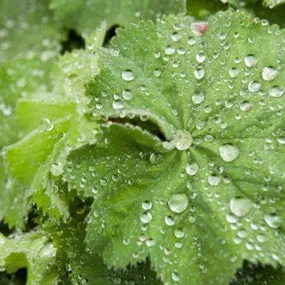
{"x": 188, "y": 168}
{"x": 85, "y": 16}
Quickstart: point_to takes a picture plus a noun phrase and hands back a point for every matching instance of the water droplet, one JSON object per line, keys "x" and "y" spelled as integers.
{"x": 276, "y": 91}
{"x": 47, "y": 251}
{"x": 240, "y": 206}
{"x": 179, "y": 233}
{"x": 231, "y": 219}
{"x": 198, "y": 98}
{"x": 169, "y": 220}
{"x": 214, "y": 180}
{"x": 150, "y": 242}
{"x": 127, "y": 94}
{"x": 281, "y": 140}
{"x": 118, "y": 105}
{"x": 250, "y": 60}
{"x": 242, "y": 233}
{"x": 245, "y": 106}
{"x": 254, "y": 86}
{"x": 157, "y": 72}
{"x": 269, "y": 73}
{"x": 126, "y": 241}
{"x": 175, "y": 277}
{"x": 145, "y": 217}
{"x": 128, "y": 75}
{"x": 200, "y": 57}
{"x": 234, "y": 72}
{"x": 178, "y": 203}
{"x": 199, "y": 73}
{"x": 176, "y": 36}
{"x": 56, "y": 169}
{"x": 47, "y": 125}
{"x": 169, "y": 50}
{"x": 183, "y": 140}
{"x": 229, "y": 152}
{"x": 191, "y": 41}
{"x": 146, "y": 205}
{"x": 273, "y": 220}
{"x": 192, "y": 169}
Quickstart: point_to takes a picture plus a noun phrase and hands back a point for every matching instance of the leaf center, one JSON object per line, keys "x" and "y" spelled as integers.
{"x": 182, "y": 141}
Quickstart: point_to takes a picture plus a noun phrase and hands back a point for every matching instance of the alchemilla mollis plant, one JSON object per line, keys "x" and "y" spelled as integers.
{"x": 142, "y": 142}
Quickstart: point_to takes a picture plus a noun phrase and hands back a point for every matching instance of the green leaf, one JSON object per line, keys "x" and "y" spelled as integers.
{"x": 205, "y": 189}
{"x": 33, "y": 251}
{"x": 85, "y": 16}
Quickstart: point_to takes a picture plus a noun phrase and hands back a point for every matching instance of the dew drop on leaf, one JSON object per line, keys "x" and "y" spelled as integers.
{"x": 183, "y": 140}
{"x": 175, "y": 277}
{"x": 250, "y": 60}
{"x": 234, "y": 72}
{"x": 245, "y": 106}
{"x": 240, "y": 206}
{"x": 128, "y": 75}
{"x": 214, "y": 180}
{"x": 127, "y": 94}
{"x": 198, "y": 97}
{"x": 276, "y": 91}
{"x": 273, "y": 220}
{"x": 146, "y": 205}
{"x": 178, "y": 203}
{"x": 176, "y": 36}
{"x": 229, "y": 152}
{"x": 281, "y": 140}
{"x": 200, "y": 57}
{"x": 47, "y": 125}
{"x": 269, "y": 73}
{"x": 199, "y": 73}
{"x": 118, "y": 105}
{"x": 169, "y": 220}
{"x": 191, "y": 41}
{"x": 254, "y": 86}
{"x": 145, "y": 217}
{"x": 179, "y": 233}
{"x": 192, "y": 169}
{"x": 56, "y": 169}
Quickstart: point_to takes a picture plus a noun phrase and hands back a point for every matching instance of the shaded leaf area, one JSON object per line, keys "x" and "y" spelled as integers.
{"x": 211, "y": 194}
{"x": 257, "y": 274}
{"x": 18, "y": 278}
{"x": 85, "y": 16}
{"x": 72, "y": 41}
{"x": 203, "y": 9}
{"x": 85, "y": 267}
